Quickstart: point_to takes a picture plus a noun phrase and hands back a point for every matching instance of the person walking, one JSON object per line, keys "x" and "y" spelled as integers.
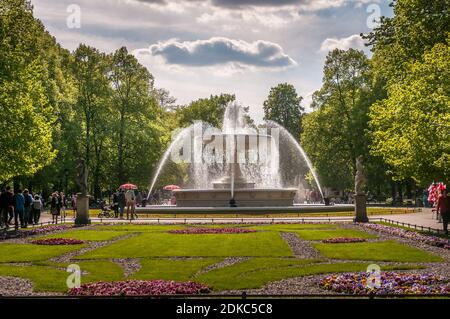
{"x": 122, "y": 202}
{"x": 10, "y": 204}
{"x": 130, "y": 198}
{"x": 4, "y": 209}
{"x": 28, "y": 218}
{"x": 74, "y": 205}
{"x": 36, "y": 209}
{"x": 19, "y": 210}
{"x": 443, "y": 208}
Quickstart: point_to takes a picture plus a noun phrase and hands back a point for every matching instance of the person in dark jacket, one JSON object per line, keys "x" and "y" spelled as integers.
{"x": 443, "y": 208}
{"x": 4, "y": 209}
{"x": 122, "y": 202}
{"x": 116, "y": 204}
{"x": 27, "y": 216}
{"x": 19, "y": 209}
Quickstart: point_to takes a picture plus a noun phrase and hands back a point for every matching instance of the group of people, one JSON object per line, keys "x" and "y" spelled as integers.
{"x": 19, "y": 208}
{"x": 438, "y": 199}
{"x": 58, "y": 205}
{"x": 128, "y": 199}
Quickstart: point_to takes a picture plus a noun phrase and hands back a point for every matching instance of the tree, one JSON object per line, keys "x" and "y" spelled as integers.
{"x": 27, "y": 113}
{"x": 209, "y": 110}
{"x": 90, "y": 68}
{"x": 334, "y": 133}
{"x": 283, "y": 106}
{"x": 411, "y": 127}
{"x": 416, "y": 26}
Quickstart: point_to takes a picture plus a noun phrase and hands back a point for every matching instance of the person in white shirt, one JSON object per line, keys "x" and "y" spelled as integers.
{"x": 36, "y": 208}
{"x": 130, "y": 198}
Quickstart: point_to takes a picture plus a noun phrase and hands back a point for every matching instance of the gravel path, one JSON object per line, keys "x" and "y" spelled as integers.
{"x": 301, "y": 248}
{"x": 224, "y": 263}
{"x": 129, "y": 265}
{"x": 13, "y": 286}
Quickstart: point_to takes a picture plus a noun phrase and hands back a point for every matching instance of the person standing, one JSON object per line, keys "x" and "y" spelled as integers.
{"x": 122, "y": 202}
{"x": 54, "y": 208}
{"x": 63, "y": 201}
{"x": 74, "y": 205}
{"x": 19, "y": 209}
{"x": 116, "y": 204}
{"x": 130, "y": 198}
{"x": 36, "y": 209}
{"x": 443, "y": 209}
{"x": 28, "y": 218}
{"x": 4, "y": 209}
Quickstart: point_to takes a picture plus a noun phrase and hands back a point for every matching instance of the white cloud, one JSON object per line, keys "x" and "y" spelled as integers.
{"x": 220, "y": 51}
{"x": 354, "y": 41}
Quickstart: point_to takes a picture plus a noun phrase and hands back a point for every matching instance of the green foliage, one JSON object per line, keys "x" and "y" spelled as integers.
{"x": 411, "y": 127}
{"x": 334, "y": 233}
{"x": 283, "y": 106}
{"x": 27, "y": 112}
{"x": 209, "y": 110}
{"x": 335, "y": 131}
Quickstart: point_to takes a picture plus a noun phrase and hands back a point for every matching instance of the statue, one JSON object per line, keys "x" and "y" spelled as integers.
{"x": 82, "y": 174}
{"x": 360, "y": 179}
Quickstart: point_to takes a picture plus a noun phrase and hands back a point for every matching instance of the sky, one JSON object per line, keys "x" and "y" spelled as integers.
{"x": 195, "y": 48}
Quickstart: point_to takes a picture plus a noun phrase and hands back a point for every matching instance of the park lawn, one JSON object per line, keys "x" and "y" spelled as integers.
{"x": 29, "y": 252}
{"x": 257, "y": 272}
{"x": 44, "y": 278}
{"x": 138, "y": 228}
{"x": 332, "y": 233}
{"x": 156, "y": 244}
{"x": 292, "y": 227}
{"x": 172, "y": 269}
{"x": 88, "y": 235}
{"x": 376, "y": 251}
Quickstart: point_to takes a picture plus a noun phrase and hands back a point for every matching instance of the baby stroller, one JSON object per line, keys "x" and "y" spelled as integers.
{"x": 106, "y": 211}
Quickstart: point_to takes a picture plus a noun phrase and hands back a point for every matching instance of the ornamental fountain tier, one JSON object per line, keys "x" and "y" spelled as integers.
{"x": 237, "y": 165}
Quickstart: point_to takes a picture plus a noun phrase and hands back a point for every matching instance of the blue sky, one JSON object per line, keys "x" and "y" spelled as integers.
{"x": 195, "y": 48}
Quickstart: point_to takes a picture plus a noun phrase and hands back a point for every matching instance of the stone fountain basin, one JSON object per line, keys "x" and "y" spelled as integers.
{"x": 244, "y": 197}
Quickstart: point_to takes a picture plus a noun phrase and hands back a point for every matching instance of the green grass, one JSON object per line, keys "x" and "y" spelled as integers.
{"x": 138, "y": 228}
{"x": 209, "y": 245}
{"x": 257, "y": 272}
{"x": 29, "y": 252}
{"x": 333, "y": 233}
{"x": 172, "y": 269}
{"x": 376, "y": 251}
{"x": 88, "y": 235}
{"x": 43, "y": 278}
{"x": 292, "y": 227}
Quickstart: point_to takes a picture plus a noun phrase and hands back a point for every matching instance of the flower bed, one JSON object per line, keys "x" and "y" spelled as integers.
{"x": 33, "y": 231}
{"x": 57, "y": 241}
{"x": 427, "y": 239}
{"x": 139, "y": 288}
{"x": 343, "y": 240}
{"x": 201, "y": 230}
{"x": 390, "y": 283}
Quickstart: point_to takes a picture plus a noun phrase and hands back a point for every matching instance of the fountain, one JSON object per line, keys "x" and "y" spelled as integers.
{"x": 237, "y": 165}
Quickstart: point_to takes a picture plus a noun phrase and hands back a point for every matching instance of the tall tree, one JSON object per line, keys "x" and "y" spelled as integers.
{"x": 283, "y": 106}
{"x": 334, "y": 134}
{"x": 138, "y": 128}
{"x": 411, "y": 127}
{"x": 27, "y": 113}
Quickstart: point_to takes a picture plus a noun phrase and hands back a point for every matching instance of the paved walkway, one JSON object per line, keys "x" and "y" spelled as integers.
{"x": 423, "y": 218}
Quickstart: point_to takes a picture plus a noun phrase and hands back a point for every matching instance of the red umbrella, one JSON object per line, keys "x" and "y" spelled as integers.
{"x": 171, "y": 187}
{"x": 128, "y": 186}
